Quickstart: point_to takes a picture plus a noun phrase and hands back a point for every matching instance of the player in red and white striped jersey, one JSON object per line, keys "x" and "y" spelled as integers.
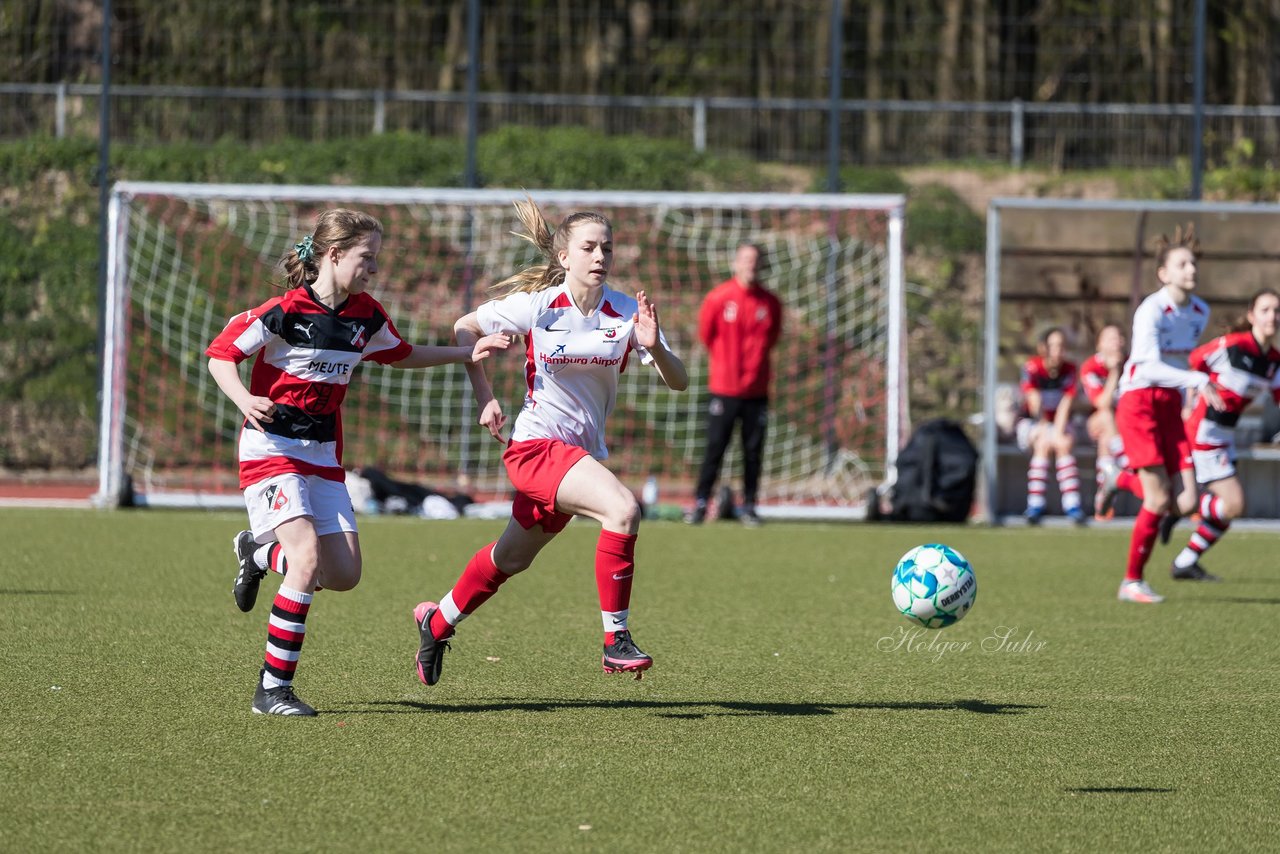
{"x": 307, "y": 344}
{"x": 580, "y": 335}
{"x": 1100, "y": 379}
{"x": 1048, "y": 390}
{"x": 1166, "y": 328}
{"x": 1241, "y": 365}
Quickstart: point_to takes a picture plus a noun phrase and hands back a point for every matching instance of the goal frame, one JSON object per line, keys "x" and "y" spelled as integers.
{"x": 113, "y": 483}
{"x": 991, "y": 313}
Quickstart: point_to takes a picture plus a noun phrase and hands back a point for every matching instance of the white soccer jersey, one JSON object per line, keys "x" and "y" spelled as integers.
{"x": 1164, "y": 334}
{"x": 572, "y": 361}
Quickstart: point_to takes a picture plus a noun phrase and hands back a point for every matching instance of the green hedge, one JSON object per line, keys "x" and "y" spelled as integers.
{"x": 48, "y": 231}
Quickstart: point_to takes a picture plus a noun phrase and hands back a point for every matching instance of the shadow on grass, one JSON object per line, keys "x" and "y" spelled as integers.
{"x": 1117, "y": 790}
{"x": 694, "y": 710}
{"x": 1245, "y": 600}
{"x": 8, "y": 591}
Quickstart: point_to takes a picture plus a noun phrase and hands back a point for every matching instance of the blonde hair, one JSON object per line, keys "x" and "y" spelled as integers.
{"x": 549, "y": 243}
{"x": 1182, "y": 239}
{"x": 335, "y": 227}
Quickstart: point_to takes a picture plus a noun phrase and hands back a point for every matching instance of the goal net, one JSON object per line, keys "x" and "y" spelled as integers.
{"x": 1081, "y": 264}
{"x": 183, "y": 258}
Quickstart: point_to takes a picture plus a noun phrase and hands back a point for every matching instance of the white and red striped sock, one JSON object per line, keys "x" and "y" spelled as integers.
{"x": 1069, "y": 483}
{"x": 1037, "y": 480}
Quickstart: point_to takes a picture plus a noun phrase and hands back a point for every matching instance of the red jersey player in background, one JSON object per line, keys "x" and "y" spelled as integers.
{"x": 308, "y": 344}
{"x": 580, "y": 335}
{"x": 1048, "y": 390}
{"x": 740, "y": 322}
{"x": 1241, "y": 365}
{"x": 1166, "y": 328}
{"x": 1100, "y": 379}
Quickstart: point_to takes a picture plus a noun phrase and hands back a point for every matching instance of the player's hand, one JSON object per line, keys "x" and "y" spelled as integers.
{"x": 493, "y": 419}
{"x": 489, "y": 345}
{"x": 258, "y": 411}
{"x": 1212, "y": 397}
{"x": 646, "y": 321}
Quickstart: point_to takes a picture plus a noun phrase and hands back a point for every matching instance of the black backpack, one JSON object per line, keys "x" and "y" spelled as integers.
{"x": 937, "y": 475}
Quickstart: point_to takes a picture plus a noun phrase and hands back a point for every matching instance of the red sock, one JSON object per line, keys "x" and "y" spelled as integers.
{"x": 480, "y": 580}
{"x": 1145, "y": 529}
{"x": 615, "y": 568}
{"x": 1129, "y": 482}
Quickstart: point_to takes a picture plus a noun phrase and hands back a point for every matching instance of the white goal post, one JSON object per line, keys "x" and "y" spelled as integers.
{"x": 1080, "y": 263}
{"x": 183, "y": 258}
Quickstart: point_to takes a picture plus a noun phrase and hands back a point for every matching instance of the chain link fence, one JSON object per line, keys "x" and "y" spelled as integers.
{"x": 1056, "y": 136}
{"x": 1109, "y": 85}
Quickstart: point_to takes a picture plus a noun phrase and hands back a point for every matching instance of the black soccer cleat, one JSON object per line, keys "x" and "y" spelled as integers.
{"x": 1195, "y": 572}
{"x": 279, "y": 701}
{"x": 430, "y": 650}
{"x": 1168, "y": 522}
{"x": 249, "y": 576}
{"x": 623, "y": 656}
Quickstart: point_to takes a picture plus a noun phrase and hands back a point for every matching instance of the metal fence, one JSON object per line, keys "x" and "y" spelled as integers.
{"x": 787, "y": 130}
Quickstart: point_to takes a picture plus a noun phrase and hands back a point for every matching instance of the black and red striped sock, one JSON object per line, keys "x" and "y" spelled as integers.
{"x": 286, "y": 629}
{"x": 271, "y": 556}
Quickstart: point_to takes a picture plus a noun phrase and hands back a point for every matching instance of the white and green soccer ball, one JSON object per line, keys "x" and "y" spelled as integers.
{"x": 933, "y": 585}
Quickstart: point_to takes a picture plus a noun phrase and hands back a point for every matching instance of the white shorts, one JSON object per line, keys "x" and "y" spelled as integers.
{"x": 1215, "y": 465}
{"x": 276, "y": 500}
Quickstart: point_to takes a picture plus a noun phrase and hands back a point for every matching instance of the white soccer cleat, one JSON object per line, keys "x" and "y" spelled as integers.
{"x": 1138, "y": 591}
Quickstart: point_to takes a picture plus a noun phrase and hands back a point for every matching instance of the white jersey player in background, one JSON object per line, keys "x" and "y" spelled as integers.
{"x": 580, "y": 334}
{"x": 1166, "y": 328}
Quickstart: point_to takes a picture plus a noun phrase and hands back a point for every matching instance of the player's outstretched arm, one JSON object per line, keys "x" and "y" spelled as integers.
{"x": 669, "y": 366}
{"x": 429, "y": 355}
{"x": 257, "y": 410}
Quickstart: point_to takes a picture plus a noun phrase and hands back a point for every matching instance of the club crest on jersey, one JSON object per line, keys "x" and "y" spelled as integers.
{"x": 358, "y": 338}
{"x": 610, "y": 333}
{"x": 275, "y": 497}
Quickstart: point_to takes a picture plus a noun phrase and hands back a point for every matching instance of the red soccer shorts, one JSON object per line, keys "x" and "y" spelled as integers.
{"x": 536, "y": 467}
{"x": 1150, "y": 422}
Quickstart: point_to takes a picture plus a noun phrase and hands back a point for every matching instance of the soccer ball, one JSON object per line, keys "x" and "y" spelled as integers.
{"x": 934, "y": 585}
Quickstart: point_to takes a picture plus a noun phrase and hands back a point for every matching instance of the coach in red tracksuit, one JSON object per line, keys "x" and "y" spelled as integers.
{"x": 739, "y": 323}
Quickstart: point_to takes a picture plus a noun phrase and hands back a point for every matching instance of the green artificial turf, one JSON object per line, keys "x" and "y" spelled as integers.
{"x": 790, "y": 707}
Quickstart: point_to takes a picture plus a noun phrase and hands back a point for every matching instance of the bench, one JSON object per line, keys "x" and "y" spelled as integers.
{"x": 1257, "y": 465}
